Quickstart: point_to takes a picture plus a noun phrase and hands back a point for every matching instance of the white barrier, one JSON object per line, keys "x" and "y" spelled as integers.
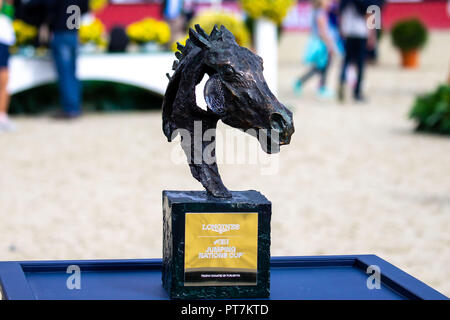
{"x": 145, "y": 70}
{"x": 266, "y": 43}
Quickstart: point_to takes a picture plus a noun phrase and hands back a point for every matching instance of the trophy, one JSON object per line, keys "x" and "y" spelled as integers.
{"x": 216, "y": 243}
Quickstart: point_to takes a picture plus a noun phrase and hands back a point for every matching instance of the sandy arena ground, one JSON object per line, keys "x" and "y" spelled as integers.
{"x": 356, "y": 178}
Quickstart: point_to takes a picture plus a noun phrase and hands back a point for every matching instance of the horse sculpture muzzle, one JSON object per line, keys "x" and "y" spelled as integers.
{"x": 283, "y": 124}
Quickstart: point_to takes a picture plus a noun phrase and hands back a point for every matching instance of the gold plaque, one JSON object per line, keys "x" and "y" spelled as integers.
{"x": 221, "y": 249}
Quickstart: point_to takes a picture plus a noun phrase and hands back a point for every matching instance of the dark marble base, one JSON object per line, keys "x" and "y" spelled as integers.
{"x": 175, "y": 206}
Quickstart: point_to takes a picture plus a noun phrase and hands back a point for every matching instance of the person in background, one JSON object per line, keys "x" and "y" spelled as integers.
{"x": 118, "y": 39}
{"x": 7, "y": 39}
{"x": 333, "y": 22}
{"x": 319, "y": 50}
{"x": 354, "y": 30}
{"x": 64, "y": 47}
{"x": 172, "y": 11}
{"x": 188, "y": 12}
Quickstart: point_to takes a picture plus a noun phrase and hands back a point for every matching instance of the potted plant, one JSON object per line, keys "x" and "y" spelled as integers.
{"x": 409, "y": 36}
{"x": 432, "y": 111}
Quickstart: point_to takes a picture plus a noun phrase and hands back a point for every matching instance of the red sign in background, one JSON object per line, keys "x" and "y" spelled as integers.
{"x": 434, "y": 13}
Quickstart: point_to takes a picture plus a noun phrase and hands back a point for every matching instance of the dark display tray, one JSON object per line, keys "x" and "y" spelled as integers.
{"x": 292, "y": 278}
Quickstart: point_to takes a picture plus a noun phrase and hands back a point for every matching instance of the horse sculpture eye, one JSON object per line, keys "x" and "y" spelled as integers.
{"x": 227, "y": 70}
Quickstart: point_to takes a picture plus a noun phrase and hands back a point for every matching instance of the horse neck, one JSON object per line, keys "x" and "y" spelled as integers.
{"x": 193, "y": 74}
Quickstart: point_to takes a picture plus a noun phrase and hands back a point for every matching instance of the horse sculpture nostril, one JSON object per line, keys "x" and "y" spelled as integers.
{"x": 277, "y": 122}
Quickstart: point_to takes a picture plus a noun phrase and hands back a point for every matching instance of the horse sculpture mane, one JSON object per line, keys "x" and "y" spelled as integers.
{"x": 235, "y": 93}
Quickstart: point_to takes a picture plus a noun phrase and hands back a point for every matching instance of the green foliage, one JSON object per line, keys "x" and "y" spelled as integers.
{"x": 97, "y": 96}
{"x": 432, "y": 111}
{"x": 409, "y": 34}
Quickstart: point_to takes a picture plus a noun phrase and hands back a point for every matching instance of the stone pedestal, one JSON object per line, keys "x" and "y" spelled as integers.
{"x": 216, "y": 248}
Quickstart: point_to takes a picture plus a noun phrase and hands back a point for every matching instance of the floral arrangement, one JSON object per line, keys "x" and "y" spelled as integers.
{"x": 275, "y": 10}
{"x": 93, "y": 32}
{"x": 25, "y": 33}
{"x": 182, "y": 41}
{"x": 149, "y": 30}
{"x": 208, "y": 18}
{"x": 97, "y": 5}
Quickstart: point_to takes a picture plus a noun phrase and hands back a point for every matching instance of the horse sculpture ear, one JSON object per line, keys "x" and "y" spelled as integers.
{"x": 227, "y": 36}
{"x": 214, "y": 95}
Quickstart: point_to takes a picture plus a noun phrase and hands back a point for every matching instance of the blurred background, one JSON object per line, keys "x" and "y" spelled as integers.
{"x": 83, "y": 160}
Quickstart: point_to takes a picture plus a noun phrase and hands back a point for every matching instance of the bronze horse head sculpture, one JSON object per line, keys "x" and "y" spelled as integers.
{"x": 235, "y": 93}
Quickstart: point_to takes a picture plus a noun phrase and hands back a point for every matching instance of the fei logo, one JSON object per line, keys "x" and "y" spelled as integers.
{"x": 220, "y": 228}
{"x": 221, "y": 242}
